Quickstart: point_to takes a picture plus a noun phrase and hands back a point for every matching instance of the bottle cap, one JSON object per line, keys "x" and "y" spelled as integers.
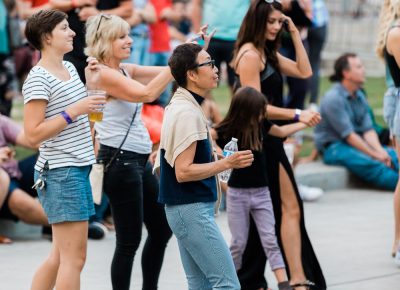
{"x": 234, "y": 139}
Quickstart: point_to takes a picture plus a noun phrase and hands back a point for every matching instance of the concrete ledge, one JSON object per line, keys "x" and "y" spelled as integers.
{"x": 19, "y": 230}
{"x": 327, "y": 177}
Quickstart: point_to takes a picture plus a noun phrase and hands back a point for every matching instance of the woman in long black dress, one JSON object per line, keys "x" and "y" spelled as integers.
{"x": 258, "y": 64}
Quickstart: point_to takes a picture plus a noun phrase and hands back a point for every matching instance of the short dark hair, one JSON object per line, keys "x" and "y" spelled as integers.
{"x": 42, "y": 23}
{"x": 183, "y": 59}
{"x": 341, "y": 64}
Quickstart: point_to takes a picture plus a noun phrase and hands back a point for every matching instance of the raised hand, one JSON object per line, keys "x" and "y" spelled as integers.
{"x": 202, "y": 35}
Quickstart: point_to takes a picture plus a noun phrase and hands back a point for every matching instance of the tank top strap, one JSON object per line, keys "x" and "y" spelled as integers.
{"x": 241, "y": 55}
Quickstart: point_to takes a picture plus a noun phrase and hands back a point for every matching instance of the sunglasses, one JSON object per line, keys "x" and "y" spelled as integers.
{"x": 272, "y": 1}
{"x": 106, "y": 16}
{"x": 208, "y": 63}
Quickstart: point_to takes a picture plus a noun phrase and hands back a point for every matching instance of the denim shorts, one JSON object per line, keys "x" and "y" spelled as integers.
{"x": 391, "y": 110}
{"x": 67, "y": 195}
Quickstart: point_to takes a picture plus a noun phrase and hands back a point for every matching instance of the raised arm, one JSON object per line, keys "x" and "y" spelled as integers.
{"x": 120, "y": 86}
{"x": 300, "y": 68}
{"x": 248, "y": 68}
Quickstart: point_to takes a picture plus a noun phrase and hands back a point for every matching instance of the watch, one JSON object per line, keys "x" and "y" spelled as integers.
{"x": 297, "y": 114}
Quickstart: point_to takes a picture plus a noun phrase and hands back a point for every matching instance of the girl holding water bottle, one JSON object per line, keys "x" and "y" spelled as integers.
{"x": 248, "y": 191}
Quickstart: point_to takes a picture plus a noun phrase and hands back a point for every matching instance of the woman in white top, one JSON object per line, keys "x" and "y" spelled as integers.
{"x": 55, "y": 116}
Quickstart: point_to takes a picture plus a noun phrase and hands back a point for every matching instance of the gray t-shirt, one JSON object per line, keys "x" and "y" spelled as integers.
{"x": 342, "y": 114}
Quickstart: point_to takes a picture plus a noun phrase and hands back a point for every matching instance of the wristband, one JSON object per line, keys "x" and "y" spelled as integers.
{"x": 297, "y": 114}
{"x": 66, "y": 117}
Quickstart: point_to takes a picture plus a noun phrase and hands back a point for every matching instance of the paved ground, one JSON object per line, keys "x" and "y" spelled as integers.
{"x": 351, "y": 231}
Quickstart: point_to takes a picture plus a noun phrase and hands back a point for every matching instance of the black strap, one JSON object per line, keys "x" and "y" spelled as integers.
{"x": 123, "y": 141}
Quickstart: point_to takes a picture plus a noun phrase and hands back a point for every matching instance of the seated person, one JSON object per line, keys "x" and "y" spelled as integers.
{"x": 4, "y": 183}
{"x": 20, "y": 202}
{"x": 346, "y": 135}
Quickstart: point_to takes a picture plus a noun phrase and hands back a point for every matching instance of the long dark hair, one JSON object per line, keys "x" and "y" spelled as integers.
{"x": 253, "y": 30}
{"x": 243, "y": 120}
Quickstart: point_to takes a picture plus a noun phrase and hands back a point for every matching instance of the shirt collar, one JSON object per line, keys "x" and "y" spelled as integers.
{"x": 199, "y": 99}
{"x": 343, "y": 92}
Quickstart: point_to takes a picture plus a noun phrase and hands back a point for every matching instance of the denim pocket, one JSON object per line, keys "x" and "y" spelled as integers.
{"x": 176, "y": 222}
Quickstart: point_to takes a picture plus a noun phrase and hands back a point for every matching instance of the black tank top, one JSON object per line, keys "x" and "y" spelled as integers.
{"x": 392, "y": 65}
{"x": 393, "y": 68}
{"x": 271, "y": 83}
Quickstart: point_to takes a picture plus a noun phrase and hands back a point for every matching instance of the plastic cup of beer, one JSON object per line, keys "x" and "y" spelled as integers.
{"x": 96, "y": 116}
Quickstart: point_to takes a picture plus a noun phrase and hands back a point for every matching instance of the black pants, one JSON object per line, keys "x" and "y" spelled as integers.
{"x": 316, "y": 40}
{"x": 123, "y": 184}
{"x": 222, "y": 51}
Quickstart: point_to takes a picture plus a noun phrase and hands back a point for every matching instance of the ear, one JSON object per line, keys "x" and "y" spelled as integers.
{"x": 345, "y": 73}
{"x": 191, "y": 75}
{"x": 46, "y": 38}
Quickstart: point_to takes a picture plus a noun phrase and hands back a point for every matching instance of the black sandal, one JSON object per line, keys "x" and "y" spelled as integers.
{"x": 308, "y": 284}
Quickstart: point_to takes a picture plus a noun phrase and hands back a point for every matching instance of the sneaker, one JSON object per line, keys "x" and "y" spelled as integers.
{"x": 308, "y": 193}
{"x": 96, "y": 231}
{"x": 313, "y": 107}
{"x": 397, "y": 257}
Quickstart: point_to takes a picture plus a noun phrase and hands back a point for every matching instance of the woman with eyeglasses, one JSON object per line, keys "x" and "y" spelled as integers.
{"x": 258, "y": 64}
{"x": 125, "y": 145}
{"x": 55, "y": 116}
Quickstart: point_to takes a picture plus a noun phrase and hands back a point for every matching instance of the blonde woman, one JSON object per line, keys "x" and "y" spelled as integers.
{"x": 388, "y": 48}
{"x": 125, "y": 144}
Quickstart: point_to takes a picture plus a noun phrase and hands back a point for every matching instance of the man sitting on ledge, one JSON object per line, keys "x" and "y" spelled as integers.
{"x": 346, "y": 135}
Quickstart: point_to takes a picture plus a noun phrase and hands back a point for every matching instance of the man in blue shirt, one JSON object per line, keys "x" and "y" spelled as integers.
{"x": 346, "y": 135}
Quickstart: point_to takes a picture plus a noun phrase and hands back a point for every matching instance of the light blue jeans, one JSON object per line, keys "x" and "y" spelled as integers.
{"x": 204, "y": 253}
{"x": 362, "y": 165}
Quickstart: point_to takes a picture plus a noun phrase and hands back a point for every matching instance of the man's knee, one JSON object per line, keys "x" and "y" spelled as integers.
{"x": 21, "y": 204}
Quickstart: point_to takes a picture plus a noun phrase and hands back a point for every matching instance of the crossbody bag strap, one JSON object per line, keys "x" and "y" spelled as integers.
{"x": 123, "y": 141}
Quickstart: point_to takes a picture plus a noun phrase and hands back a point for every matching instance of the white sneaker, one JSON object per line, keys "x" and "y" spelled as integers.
{"x": 308, "y": 193}
{"x": 397, "y": 257}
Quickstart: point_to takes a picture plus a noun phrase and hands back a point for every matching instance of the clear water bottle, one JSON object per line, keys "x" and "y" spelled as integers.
{"x": 229, "y": 149}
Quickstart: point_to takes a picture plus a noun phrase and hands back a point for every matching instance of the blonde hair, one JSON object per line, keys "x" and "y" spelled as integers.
{"x": 390, "y": 12}
{"x": 100, "y": 35}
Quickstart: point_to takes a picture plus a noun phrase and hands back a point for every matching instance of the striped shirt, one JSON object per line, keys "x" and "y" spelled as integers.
{"x": 73, "y": 145}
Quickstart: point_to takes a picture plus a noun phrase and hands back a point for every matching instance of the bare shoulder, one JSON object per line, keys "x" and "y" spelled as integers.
{"x": 249, "y": 56}
{"x": 393, "y": 39}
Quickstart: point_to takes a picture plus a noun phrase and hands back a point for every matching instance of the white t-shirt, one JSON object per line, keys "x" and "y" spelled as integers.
{"x": 73, "y": 145}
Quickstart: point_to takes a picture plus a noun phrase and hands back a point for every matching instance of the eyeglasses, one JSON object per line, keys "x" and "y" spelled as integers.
{"x": 272, "y": 1}
{"x": 209, "y": 63}
{"x": 106, "y": 16}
